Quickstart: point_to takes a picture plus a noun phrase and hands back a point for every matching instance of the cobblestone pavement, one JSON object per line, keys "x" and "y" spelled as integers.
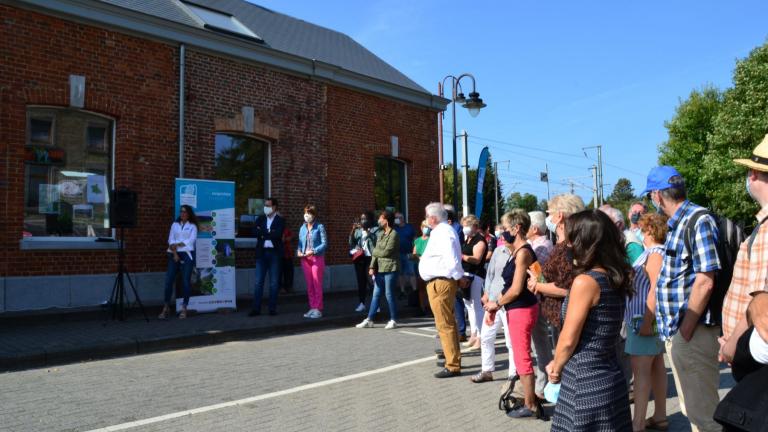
{"x": 346, "y": 388}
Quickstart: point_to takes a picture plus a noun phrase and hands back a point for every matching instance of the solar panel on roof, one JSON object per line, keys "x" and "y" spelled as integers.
{"x": 221, "y": 21}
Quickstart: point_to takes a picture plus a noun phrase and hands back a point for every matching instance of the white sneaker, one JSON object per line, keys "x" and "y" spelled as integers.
{"x": 315, "y": 314}
{"x": 360, "y": 308}
{"x": 309, "y": 313}
{"x": 390, "y": 325}
{"x": 378, "y": 310}
{"x": 365, "y": 324}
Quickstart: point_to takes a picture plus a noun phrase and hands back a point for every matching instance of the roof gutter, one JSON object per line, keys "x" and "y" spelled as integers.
{"x": 132, "y": 22}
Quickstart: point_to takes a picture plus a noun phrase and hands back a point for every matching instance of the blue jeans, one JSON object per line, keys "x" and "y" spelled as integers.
{"x": 269, "y": 262}
{"x": 185, "y": 264}
{"x": 387, "y": 281}
{"x": 460, "y": 318}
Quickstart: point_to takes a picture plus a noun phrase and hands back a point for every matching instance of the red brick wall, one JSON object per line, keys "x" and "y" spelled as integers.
{"x": 329, "y": 135}
{"x": 128, "y": 78}
{"x": 360, "y": 127}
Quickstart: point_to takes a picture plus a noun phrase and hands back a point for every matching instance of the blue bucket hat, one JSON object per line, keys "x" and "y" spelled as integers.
{"x": 658, "y": 178}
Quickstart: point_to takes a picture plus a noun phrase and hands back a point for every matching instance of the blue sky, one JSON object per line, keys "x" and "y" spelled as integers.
{"x": 557, "y": 76}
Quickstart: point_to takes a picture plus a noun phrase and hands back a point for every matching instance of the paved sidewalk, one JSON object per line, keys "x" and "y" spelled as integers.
{"x": 47, "y": 340}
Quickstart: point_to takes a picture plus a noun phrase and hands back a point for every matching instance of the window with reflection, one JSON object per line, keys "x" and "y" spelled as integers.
{"x": 244, "y": 160}
{"x": 67, "y": 173}
{"x": 390, "y": 183}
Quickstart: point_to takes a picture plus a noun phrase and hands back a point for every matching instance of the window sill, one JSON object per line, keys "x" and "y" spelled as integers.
{"x": 59, "y": 243}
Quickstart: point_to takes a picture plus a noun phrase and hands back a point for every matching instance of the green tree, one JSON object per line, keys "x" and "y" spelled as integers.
{"x": 489, "y": 193}
{"x": 527, "y": 202}
{"x": 712, "y": 128}
{"x": 688, "y": 141}
{"x": 622, "y": 192}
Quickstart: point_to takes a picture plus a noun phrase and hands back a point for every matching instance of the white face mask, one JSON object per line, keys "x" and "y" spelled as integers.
{"x": 467, "y": 231}
{"x": 758, "y": 348}
{"x": 397, "y": 221}
{"x": 308, "y": 218}
{"x": 497, "y": 233}
{"x": 267, "y": 211}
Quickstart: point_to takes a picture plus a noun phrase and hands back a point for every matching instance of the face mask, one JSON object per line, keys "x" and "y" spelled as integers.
{"x": 551, "y": 226}
{"x": 749, "y": 192}
{"x": 397, "y": 221}
{"x": 497, "y": 234}
{"x": 364, "y": 223}
{"x": 267, "y": 211}
{"x": 308, "y": 218}
{"x": 635, "y": 218}
{"x": 425, "y": 231}
{"x": 467, "y": 231}
{"x": 639, "y": 234}
{"x": 758, "y": 348}
{"x": 509, "y": 238}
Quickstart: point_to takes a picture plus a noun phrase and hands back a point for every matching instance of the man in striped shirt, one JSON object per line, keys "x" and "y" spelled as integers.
{"x": 750, "y": 273}
{"x": 683, "y": 291}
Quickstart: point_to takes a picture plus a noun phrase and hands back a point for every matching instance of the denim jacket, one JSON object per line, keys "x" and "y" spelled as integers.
{"x": 318, "y": 237}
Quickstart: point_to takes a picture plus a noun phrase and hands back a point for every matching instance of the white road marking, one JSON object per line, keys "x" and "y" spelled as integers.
{"x": 431, "y": 336}
{"x": 432, "y": 329}
{"x": 262, "y": 397}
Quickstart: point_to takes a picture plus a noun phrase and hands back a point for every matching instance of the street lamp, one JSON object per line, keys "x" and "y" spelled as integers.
{"x": 474, "y": 104}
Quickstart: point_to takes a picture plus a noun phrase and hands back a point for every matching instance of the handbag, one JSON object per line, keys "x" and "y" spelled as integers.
{"x": 744, "y": 407}
{"x": 465, "y": 285}
{"x": 357, "y": 254}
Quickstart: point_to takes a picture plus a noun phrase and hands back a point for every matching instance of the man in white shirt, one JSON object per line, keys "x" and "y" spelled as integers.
{"x": 440, "y": 267}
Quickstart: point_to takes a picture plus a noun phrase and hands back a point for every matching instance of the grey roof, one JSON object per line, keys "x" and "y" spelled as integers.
{"x": 284, "y": 33}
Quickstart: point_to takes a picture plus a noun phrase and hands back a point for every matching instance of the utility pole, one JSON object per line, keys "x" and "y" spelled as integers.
{"x": 571, "y": 182}
{"x": 600, "y": 164}
{"x": 600, "y": 182}
{"x": 593, "y": 170}
{"x": 465, "y": 175}
{"x": 496, "y": 187}
{"x": 546, "y": 169}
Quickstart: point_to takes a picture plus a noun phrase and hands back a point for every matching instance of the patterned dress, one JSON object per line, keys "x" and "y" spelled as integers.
{"x": 593, "y": 394}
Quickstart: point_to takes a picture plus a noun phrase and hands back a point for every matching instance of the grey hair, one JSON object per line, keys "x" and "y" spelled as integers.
{"x": 676, "y": 192}
{"x": 538, "y": 220}
{"x": 615, "y": 214}
{"x": 436, "y": 209}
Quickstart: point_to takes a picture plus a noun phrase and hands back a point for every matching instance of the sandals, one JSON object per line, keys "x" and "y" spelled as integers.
{"x": 164, "y": 314}
{"x": 481, "y": 377}
{"x": 183, "y": 314}
{"x": 662, "y": 425}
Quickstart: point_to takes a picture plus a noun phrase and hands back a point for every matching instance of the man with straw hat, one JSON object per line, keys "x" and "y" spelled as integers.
{"x": 750, "y": 273}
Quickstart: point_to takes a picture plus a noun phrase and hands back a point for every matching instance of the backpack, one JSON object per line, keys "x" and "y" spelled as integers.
{"x": 508, "y": 401}
{"x": 729, "y": 239}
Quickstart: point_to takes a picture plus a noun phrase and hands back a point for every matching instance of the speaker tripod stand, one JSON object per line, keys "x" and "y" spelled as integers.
{"x": 118, "y": 299}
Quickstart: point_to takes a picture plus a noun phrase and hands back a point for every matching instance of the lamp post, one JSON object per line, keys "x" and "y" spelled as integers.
{"x": 473, "y": 104}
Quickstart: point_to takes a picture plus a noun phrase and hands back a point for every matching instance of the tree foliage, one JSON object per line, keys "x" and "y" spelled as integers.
{"x": 527, "y": 202}
{"x": 712, "y": 128}
{"x": 489, "y": 192}
{"x": 623, "y": 191}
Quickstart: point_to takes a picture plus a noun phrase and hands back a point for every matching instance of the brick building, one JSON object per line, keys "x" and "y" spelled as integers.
{"x": 118, "y": 93}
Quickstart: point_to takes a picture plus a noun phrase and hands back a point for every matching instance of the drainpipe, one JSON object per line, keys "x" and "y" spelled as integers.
{"x": 182, "y": 54}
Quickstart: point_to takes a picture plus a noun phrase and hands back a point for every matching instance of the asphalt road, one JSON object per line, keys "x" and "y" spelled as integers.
{"x": 332, "y": 380}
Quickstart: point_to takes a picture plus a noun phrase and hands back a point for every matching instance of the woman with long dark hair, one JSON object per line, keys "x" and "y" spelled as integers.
{"x": 362, "y": 240}
{"x": 593, "y": 394}
{"x": 181, "y": 256}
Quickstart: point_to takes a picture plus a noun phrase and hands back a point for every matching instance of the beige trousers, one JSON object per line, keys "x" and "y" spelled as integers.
{"x": 442, "y": 298}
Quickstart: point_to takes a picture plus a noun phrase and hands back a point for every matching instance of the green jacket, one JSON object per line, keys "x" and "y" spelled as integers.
{"x": 386, "y": 254}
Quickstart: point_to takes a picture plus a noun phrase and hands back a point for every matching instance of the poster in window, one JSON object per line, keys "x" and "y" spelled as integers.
{"x": 48, "y": 199}
{"x": 83, "y": 211}
{"x": 96, "y": 189}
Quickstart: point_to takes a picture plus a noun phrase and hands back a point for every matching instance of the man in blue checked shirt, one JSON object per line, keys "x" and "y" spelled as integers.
{"x": 683, "y": 290}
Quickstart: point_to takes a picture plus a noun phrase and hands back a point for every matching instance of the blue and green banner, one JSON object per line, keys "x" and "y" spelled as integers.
{"x": 213, "y": 281}
{"x": 480, "y": 181}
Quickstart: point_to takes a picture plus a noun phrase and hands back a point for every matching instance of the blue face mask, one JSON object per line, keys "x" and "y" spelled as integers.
{"x": 550, "y": 225}
{"x": 639, "y": 234}
{"x": 426, "y": 230}
{"x": 635, "y": 218}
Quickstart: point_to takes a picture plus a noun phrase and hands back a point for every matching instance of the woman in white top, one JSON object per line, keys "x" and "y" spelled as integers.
{"x": 181, "y": 256}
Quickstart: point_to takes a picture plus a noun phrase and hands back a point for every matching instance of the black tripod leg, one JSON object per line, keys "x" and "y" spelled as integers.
{"x": 113, "y": 300}
{"x": 136, "y": 296}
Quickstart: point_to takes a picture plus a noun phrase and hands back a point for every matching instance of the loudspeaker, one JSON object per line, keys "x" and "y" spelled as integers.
{"x": 123, "y": 206}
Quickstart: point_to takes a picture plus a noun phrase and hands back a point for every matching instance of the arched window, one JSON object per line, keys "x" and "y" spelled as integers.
{"x": 67, "y": 173}
{"x": 390, "y": 186}
{"x": 244, "y": 160}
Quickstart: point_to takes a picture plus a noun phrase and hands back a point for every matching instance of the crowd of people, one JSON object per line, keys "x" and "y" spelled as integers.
{"x": 595, "y": 301}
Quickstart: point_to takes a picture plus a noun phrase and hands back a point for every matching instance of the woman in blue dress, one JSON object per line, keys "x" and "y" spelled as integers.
{"x": 593, "y": 394}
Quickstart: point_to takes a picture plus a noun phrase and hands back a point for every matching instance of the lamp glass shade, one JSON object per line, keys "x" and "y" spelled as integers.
{"x": 474, "y": 111}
